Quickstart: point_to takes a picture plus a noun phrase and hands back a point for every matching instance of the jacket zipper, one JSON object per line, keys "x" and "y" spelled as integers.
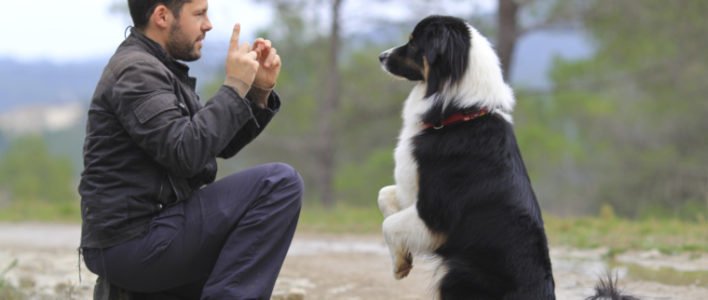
{"x": 159, "y": 195}
{"x": 174, "y": 189}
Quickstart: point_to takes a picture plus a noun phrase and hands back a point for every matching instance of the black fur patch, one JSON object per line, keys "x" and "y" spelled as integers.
{"x": 474, "y": 189}
{"x": 444, "y": 42}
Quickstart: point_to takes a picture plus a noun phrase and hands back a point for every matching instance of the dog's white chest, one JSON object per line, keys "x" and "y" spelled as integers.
{"x": 406, "y": 171}
{"x": 406, "y": 174}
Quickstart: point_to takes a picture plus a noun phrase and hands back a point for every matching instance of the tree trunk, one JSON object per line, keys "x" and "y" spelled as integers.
{"x": 508, "y": 33}
{"x": 327, "y": 112}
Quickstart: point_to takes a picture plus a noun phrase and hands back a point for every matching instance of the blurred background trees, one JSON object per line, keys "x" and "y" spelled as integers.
{"x": 637, "y": 110}
{"x": 623, "y": 127}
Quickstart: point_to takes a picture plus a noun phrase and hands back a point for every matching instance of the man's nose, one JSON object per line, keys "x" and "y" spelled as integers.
{"x": 207, "y": 25}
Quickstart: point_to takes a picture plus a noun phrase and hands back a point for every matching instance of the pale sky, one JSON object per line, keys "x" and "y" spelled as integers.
{"x": 74, "y": 30}
{"x": 65, "y": 31}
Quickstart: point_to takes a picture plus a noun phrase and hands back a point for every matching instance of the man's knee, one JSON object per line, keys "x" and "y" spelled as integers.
{"x": 291, "y": 179}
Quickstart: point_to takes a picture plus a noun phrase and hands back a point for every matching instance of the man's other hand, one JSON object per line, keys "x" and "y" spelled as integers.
{"x": 270, "y": 63}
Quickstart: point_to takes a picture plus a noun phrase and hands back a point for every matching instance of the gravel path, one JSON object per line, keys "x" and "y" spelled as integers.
{"x": 326, "y": 267}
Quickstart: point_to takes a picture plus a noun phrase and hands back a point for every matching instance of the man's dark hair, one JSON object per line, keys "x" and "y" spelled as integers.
{"x": 140, "y": 10}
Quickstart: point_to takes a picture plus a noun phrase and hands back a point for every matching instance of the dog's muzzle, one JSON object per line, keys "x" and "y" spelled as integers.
{"x": 384, "y": 56}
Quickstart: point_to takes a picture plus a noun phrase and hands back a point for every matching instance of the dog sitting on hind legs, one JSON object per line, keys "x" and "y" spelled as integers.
{"x": 462, "y": 191}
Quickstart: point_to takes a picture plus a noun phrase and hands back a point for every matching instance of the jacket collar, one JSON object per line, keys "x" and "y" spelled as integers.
{"x": 152, "y": 47}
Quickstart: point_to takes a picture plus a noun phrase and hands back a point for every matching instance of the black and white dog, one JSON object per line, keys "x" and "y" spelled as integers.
{"x": 462, "y": 191}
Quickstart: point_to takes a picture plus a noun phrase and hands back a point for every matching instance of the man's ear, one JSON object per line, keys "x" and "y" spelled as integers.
{"x": 161, "y": 17}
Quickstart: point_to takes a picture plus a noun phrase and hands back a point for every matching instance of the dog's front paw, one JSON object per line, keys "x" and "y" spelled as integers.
{"x": 402, "y": 265}
{"x": 394, "y": 233}
{"x": 388, "y": 202}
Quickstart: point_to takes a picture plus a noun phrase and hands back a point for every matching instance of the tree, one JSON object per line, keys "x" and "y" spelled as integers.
{"x": 508, "y": 35}
{"x": 327, "y": 109}
{"x": 517, "y": 18}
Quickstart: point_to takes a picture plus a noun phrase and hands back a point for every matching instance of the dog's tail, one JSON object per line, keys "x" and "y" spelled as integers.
{"x": 606, "y": 289}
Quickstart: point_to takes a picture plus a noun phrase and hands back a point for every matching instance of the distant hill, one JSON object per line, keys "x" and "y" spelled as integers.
{"x": 36, "y": 83}
{"x": 46, "y": 83}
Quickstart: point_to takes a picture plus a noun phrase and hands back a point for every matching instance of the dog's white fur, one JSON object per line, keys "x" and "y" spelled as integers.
{"x": 483, "y": 86}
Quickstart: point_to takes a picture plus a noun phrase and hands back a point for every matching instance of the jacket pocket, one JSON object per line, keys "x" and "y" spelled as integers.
{"x": 154, "y": 106}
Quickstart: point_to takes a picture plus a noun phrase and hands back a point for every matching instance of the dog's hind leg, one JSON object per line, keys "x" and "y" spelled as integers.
{"x": 406, "y": 234}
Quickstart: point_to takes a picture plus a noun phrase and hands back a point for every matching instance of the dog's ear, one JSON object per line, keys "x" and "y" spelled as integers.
{"x": 446, "y": 53}
{"x": 436, "y": 73}
{"x": 437, "y": 47}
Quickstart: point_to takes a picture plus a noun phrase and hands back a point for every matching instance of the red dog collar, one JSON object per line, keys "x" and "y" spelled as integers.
{"x": 457, "y": 118}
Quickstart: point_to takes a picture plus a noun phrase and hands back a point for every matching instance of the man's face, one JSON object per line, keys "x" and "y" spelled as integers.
{"x": 188, "y": 31}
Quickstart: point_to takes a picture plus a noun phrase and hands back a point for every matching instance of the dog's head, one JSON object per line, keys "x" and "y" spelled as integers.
{"x": 454, "y": 61}
{"x": 437, "y": 53}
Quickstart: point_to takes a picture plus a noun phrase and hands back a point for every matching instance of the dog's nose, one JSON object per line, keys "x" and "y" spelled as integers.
{"x": 383, "y": 56}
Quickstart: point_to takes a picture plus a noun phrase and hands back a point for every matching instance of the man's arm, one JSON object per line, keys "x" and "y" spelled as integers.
{"x": 148, "y": 109}
{"x": 266, "y": 102}
{"x": 261, "y": 118}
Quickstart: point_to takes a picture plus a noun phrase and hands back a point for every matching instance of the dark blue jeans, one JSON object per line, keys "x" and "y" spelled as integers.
{"x": 228, "y": 241}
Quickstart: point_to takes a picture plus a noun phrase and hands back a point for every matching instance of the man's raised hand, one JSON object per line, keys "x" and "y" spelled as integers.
{"x": 242, "y": 64}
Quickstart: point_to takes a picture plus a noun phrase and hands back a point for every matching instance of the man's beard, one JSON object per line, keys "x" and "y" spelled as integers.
{"x": 179, "y": 47}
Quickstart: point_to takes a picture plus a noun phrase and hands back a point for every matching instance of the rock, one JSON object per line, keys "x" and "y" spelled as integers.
{"x": 296, "y": 294}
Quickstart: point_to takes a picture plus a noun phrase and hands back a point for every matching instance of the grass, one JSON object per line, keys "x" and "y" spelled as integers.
{"x": 667, "y": 235}
{"x": 607, "y": 230}
{"x": 342, "y": 219}
{"x": 666, "y": 275}
{"x": 41, "y": 211}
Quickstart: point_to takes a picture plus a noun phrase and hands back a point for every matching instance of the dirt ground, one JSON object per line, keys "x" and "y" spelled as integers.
{"x": 324, "y": 267}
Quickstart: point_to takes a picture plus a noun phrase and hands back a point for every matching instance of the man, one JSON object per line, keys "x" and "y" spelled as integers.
{"x": 154, "y": 221}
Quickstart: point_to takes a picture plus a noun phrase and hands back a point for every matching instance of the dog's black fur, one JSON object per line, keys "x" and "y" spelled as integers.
{"x": 474, "y": 190}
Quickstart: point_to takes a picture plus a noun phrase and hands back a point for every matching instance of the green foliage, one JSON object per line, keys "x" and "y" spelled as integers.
{"x": 3, "y": 143}
{"x": 628, "y": 123}
{"x": 358, "y": 183}
{"x": 34, "y": 184}
{"x": 29, "y": 173}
